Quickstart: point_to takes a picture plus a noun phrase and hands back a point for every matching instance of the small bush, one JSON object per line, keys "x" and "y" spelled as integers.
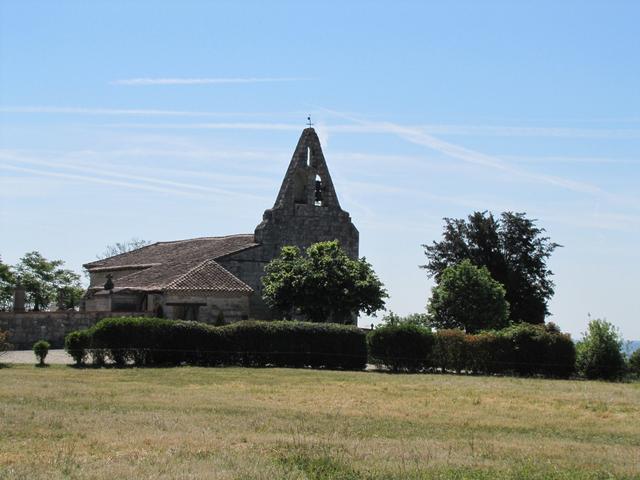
{"x": 599, "y": 353}
{"x": 41, "y": 349}
{"x": 77, "y": 345}
{"x": 401, "y": 346}
{"x": 4, "y": 342}
{"x": 634, "y": 363}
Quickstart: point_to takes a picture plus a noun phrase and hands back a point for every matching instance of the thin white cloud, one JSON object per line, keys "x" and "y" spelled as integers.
{"x": 103, "y": 181}
{"x": 135, "y": 112}
{"x": 211, "y": 126}
{"x": 323, "y": 129}
{"x": 418, "y": 136}
{"x": 203, "y": 81}
{"x": 133, "y": 181}
{"x": 564, "y": 159}
{"x": 508, "y": 131}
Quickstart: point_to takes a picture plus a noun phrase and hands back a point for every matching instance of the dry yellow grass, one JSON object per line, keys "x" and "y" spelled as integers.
{"x": 231, "y": 423}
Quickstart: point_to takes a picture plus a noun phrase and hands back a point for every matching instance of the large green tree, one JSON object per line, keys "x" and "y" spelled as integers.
{"x": 44, "y": 280}
{"x": 466, "y": 297}
{"x": 322, "y": 285}
{"x": 512, "y": 248}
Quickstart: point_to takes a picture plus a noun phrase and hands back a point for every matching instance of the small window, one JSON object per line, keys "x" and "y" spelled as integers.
{"x": 308, "y": 156}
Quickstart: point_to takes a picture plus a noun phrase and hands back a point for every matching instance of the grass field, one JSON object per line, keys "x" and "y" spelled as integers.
{"x": 233, "y": 423}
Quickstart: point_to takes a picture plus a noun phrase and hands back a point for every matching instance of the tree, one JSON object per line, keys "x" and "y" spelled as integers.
{"x": 123, "y": 247}
{"x": 466, "y": 297}
{"x": 418, "y": 319}
{"x": 43, "y": 279}
{"x": 322, "y": 285}
{"x": 7, "y": 286}
{"x": 514, "y": 251}
{"x": 599, "y": 353}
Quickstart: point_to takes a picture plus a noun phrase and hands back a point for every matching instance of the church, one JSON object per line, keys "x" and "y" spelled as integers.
{"x": 211, "y": 278}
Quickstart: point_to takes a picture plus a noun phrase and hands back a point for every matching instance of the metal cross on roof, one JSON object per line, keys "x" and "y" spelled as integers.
{"x": 309, "y": 121}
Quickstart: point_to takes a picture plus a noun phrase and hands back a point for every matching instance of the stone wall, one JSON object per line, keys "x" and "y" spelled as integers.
{"x": 248, "y": 266}
{"x": 233, "y": 306}
{"x": 303, "y": 220}
{"x": 26, "y": 328}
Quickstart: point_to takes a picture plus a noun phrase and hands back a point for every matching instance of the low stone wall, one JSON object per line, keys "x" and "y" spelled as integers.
{"x": 26, "y": 328}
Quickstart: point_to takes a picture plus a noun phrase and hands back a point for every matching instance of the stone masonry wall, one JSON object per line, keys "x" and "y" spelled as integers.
{"x": 26, "y": 328}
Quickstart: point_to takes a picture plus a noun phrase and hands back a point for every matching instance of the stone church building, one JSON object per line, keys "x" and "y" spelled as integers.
{"x": 197, "y": 279}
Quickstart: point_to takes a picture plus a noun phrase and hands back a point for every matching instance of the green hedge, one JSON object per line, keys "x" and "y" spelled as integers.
{"x": 154, "y": 341}
{"x": 522, "y": 349}
{"x": 537, "y": 350}
{"x": 401, "y": 347}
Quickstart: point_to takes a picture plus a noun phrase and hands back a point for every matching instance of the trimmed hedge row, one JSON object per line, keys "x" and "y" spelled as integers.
{"x": 153, "y": 341}
{"x": 522, "y": 349}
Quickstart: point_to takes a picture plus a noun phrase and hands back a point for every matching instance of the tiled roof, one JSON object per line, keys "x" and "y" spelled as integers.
{"x": 209, "y": 275}
{"x": 195, "y": 249}
{"x": 179, "y": 266}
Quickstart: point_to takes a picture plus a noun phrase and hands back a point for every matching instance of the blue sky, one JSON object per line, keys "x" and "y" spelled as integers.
{"x": 169, "y": 120}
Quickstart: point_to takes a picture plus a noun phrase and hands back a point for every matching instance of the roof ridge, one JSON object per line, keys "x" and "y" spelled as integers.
{"x": 204, "y": 238}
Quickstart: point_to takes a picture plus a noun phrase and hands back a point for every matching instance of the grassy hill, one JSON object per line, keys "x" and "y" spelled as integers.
{"x": 234, "y": 423}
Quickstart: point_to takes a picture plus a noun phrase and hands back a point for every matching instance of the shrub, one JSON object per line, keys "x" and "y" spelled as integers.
{"x": 154, "y": 341}
{"x": 523, "y": 349}
{"x": 529, "y": 349}
{"x": 77, "y": 345}
{"x": 599, "y": 354}
{"x": 634, "y": 363}
{"x": 401, "y": 346}
{"x": 450, "y": 351}
{"x": 296, "y": 344}
{"x": 148, "y": 341}
{"x": 4, "y": 342}
{"x": 466, "y": 297}
{"x": 41, "y": 349}
{"x": 486, "y": 352}
{"x": 560, "y": 356}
